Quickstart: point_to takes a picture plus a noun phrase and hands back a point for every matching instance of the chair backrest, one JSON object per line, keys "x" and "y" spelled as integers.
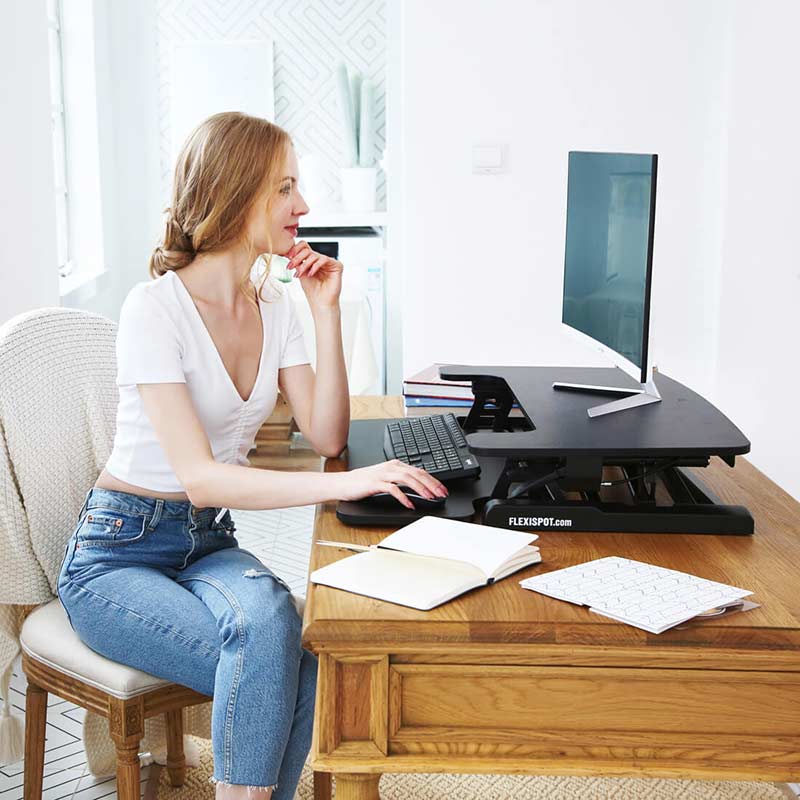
{"x": 58, "y": 402}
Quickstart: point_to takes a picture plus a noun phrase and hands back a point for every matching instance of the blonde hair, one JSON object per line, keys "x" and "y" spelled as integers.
{"x": 221, "y": 170}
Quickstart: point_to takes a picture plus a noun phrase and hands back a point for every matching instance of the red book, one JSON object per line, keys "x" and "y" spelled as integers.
{"x": 427, "y": 383}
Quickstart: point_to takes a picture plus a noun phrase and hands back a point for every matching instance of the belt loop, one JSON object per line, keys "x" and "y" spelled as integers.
{"x": 85, "y": 504}
{"x": 156, "y": 514}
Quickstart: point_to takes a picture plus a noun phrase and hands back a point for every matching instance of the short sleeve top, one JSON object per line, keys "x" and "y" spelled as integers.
{"x": 162, "y": 339}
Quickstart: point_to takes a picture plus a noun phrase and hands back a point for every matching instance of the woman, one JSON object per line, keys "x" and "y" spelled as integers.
{"x": 153, "y": 576}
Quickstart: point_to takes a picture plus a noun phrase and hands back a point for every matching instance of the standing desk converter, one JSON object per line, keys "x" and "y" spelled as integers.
{"x": 503, "y": 680}
{"x": 556, "y": 433}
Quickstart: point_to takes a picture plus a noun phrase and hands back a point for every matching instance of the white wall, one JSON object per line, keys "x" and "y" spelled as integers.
{"x": 394, "y": 274}
{"x": 129, "y": 145}
{"x": 28, "y": 255}
{"x": 482, "y": 256}
{"x": 542, "y": 79}
{"x": 759, "y": 324}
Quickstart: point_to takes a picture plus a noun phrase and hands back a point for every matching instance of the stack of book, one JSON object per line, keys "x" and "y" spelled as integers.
{"x": 426, "y": 389}
{"x": 426, "y": 393}
{"x": 278, "y": 427}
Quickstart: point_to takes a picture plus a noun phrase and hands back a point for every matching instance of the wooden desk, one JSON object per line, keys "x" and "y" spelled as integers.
{"x": 503, "y": 680}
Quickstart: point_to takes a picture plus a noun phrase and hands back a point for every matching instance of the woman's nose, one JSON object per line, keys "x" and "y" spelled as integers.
{"x": 301, "y": 207}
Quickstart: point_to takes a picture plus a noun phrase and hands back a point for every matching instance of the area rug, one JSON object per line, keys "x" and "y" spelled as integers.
{"x": 489, "y": 787}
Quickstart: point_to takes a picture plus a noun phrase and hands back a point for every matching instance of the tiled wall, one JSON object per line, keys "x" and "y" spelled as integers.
{"x": 310, "y": 38}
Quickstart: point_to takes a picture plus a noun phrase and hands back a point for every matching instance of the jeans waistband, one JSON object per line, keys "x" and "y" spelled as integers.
{"x": 154, "y": 507}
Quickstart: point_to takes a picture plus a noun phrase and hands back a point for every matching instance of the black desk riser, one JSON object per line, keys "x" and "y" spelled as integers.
{"x": 555, "y": 444}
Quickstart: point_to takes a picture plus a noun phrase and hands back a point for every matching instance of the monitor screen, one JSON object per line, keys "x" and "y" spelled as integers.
{"x": 609, "y": 243}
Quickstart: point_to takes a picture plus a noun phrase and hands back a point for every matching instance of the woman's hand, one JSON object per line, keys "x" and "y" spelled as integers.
{"x": 320, "y": 276}
{"x": 385, "y": 477}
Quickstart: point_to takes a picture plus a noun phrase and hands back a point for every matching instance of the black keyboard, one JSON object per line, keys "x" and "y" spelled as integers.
{"x": 435, "y": 443}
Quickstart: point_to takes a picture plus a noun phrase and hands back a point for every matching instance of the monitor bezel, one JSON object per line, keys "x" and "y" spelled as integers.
{"x": 643, "y": 373}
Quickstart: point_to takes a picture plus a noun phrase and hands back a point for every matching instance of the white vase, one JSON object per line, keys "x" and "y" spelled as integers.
{"x": 358, "y": 188}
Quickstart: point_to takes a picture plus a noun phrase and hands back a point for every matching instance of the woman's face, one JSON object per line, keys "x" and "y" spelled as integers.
{"x": 287, "y": 208}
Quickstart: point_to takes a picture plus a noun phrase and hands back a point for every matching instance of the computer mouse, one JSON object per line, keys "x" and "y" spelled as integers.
{"x": 388, "y": 500}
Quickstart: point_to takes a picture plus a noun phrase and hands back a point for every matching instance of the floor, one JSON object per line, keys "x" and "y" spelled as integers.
{"x": 281, "y": 539}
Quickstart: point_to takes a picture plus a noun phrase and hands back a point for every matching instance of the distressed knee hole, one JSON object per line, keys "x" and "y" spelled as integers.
{"x": 255, "y": 573}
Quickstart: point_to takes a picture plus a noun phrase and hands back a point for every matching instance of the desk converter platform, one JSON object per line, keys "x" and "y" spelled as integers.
{"x": 683, "y": 424}
{"x": 558, "y": 448}
{"x": 555, "y": 443}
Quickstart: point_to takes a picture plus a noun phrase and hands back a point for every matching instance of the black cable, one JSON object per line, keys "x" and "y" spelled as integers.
{"x": 558, "y": 473}
{"x": 653, "y": 471}
{"x": 536, "y": 483}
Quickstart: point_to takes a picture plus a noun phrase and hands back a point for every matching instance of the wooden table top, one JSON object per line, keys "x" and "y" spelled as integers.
{"x": 505, "y": 614}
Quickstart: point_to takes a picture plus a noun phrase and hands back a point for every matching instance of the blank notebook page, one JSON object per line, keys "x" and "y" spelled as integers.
{"x": 486, "y": 547}
{"x": 404, "y": 578}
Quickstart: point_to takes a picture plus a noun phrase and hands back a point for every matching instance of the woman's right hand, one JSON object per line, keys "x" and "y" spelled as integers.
{"x": 387, "y": 477}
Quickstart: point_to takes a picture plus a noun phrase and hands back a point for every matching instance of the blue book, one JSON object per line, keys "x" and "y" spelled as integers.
{"x": 442, "y": 402}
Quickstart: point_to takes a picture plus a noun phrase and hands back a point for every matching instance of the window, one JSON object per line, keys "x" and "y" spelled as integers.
{"x": 76, "y": 143}
{"x": 59, "y": 136}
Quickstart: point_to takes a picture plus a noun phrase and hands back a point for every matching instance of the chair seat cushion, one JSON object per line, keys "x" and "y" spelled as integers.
{"x": 48, "y": 637}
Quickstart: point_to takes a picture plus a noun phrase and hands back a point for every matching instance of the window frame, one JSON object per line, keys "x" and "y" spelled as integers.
{"x": 59, "y": 136}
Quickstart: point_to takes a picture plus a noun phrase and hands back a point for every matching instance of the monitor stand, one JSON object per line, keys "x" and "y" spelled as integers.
{"x": 646, "y": 393}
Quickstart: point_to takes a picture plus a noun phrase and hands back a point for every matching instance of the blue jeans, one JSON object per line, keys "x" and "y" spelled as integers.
{"x": 160, "y": 586}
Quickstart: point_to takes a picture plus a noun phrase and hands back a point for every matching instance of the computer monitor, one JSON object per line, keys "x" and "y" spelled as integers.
{"x": 608, "y": 260}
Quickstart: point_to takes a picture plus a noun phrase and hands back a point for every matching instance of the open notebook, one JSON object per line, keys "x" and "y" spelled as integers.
{"x": 431, "y": 561}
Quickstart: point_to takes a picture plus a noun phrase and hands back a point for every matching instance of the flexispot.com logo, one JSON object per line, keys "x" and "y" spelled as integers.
{"x": 539, "y": 522}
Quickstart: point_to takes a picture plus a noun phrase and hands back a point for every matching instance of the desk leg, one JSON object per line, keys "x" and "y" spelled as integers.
{"x": 355, "y": 786}
{"x": 322, "y": 786}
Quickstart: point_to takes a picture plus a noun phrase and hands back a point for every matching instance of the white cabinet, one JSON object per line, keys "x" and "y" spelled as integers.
{"x": 359, "y": 245}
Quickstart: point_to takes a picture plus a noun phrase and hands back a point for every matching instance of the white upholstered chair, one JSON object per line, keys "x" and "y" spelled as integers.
{"x": 55, "y": 660}
{"x": 57, "y": 416}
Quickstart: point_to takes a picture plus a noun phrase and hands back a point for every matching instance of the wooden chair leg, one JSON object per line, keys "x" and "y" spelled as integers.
{"x": 126, "y": 726}
{"x": 322, "y": 786}
{"x": 35, "y": 731}
{"x": 176, "y": 759}
{"x": 129, "y": 776}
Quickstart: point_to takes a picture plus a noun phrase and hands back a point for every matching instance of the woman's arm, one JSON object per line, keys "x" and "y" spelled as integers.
{"x": 321, "y": 404}
{"x": 171, "y": 411}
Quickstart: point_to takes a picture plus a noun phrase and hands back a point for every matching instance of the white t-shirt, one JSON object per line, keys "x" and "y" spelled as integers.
{"x": 163, "y": 339}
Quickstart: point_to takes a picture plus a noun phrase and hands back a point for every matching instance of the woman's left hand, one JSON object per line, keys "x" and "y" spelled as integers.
{"x": 320, "y": 275}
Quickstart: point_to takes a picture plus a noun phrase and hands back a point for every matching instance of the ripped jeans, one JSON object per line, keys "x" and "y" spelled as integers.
{"x": 160, "y": 586}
